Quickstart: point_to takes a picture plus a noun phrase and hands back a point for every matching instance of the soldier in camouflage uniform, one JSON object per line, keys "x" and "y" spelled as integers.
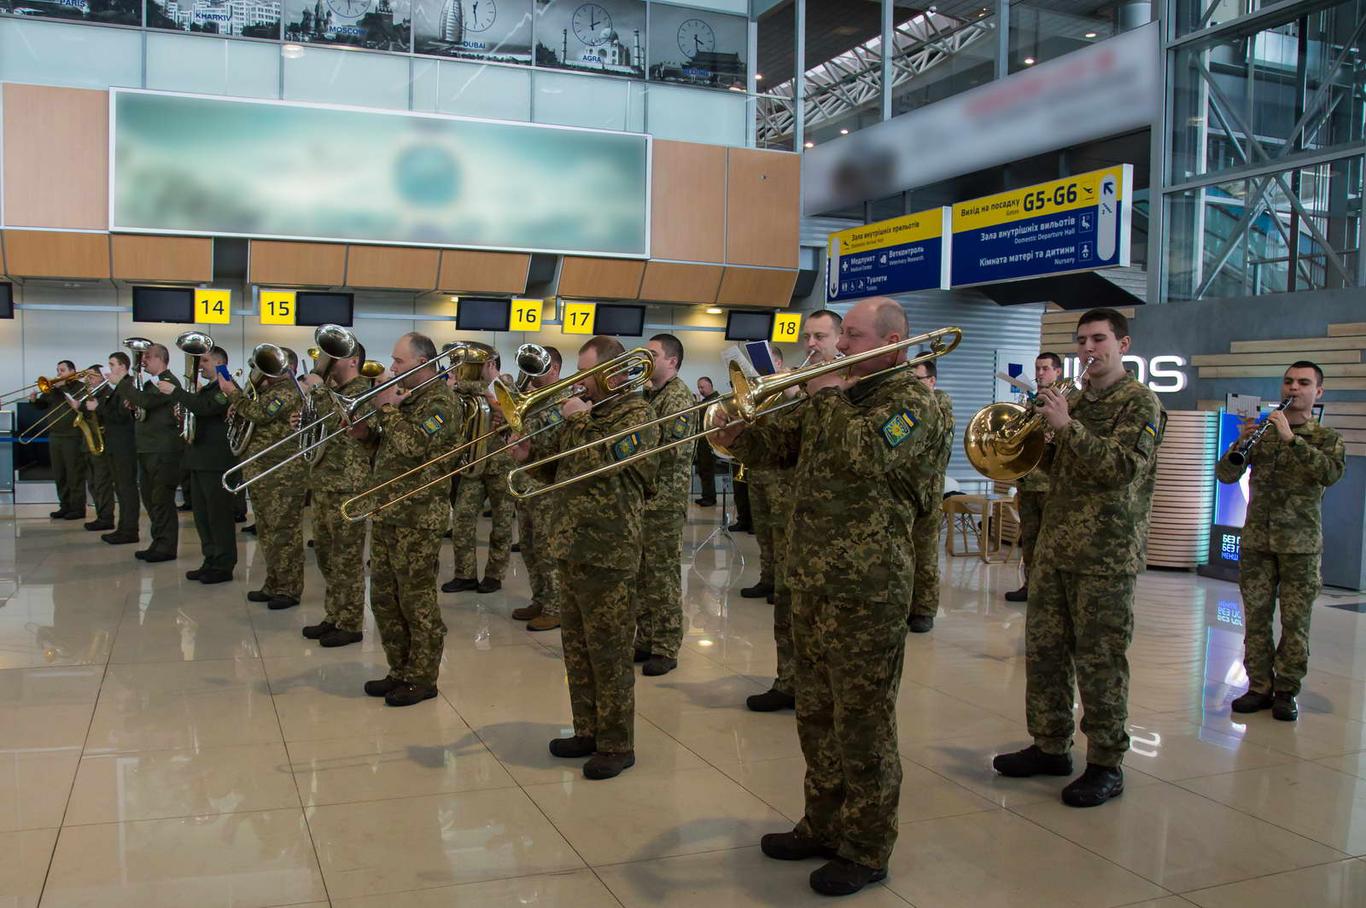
{"x": 766, "y": 489}
{"x": 598, "y": 544}
{"x": 659, "y": 583}
{"x": 160, "y": 449}
{"x": 925, "y": 599}
{"x": 1282, "y": 544}
{"x": 120, "y": 446}
{"x": 278, "y": 499}
{"x": 1102, "y": 467}
{"x": 66, "y": 448}
{"x": 206, "y": 458}
{"x": 405, "y": 540}
{"x": 1032, "y": 488}
{"x": 851, "y": 566}
{"x": 536, "y": 518}
{"x": 478, "y": 482}
{"x": 339, "y": 470}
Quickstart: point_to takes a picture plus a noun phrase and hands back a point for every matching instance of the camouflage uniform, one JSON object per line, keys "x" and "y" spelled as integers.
{"x": 405, "y": 540}
{"x": 765, "y": 489}
{"x": 279, "y": 498}
{"x": 1032, "y": 489}
{"x": 536, "y": 520}
{"x": 1281, "y": 548}
{"x": 120, "y": 447}
{"x": 851, "y": 567}
{"x": 659, "y": 582}
{"x": 925, "y": 599}
{"x": 160, "y": 449}
{"x": 341, "y": 470}
{"x": 1102, "y": 467}
{"x": 66, "y": 451}
{"x": 485, "y": 480}
{"x": 597, "y": 543}
{"x": 207, "y": 457}
{"x": 781, "y": 504}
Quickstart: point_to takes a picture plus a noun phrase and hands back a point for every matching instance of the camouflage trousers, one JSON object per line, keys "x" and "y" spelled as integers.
{"x": 279, "y": 506}
{"x": 1031, "y": 521}
{"x": 403, "y": 564}
{"x": 533, "y": 528}
{"x": 659, "y": 582}
{"x": 782, "y": 598}
{"x": 1294, "y": 579}
{"x": 925, "y": 538}
{"x": 469, "y": 501}
{"x": 762, "y": 499}
{"x": 1077, "y": 632}
{"x": 849, "y": 659}
{"x": 100, "y": 475}
{"x": 596, "y": 627}
{"x": 340, "y": 547}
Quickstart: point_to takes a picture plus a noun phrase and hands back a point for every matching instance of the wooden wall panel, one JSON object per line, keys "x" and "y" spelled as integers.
{"x": 306, "y": 264}
{"x": 756, "y": 287}
{"x": 38, "y": 253}
{"x": 187, "y": 259}
{"x": 56, "y": 157}
{"x": 763, "y": 205}
{"x": 1276, "y": 370}
{"x": 394, "y": 267}
{"x": 1273, "y": 359}
{"x": 1345, "y": 328}
{"x": 1301, "y": 344}
{"x": 2, "y": 255}
{"x": 669, "y": 282}
{"x": 688, "y": 207}
{"x": 463, "y": 271}
{"x": 615, "y": 279}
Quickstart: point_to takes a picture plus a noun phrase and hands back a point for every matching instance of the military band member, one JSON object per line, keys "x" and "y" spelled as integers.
{"x": 765, "y": 492}
{"x": 597, "y": 544}
{"x": 120, "y": 445}
{"x": 340, "y": 470}
{"x": 207, "y": 457}
{"x": 66, "y": 448}
{"x": 99, "y": 466}
{"x": 851, "y": 568}
{"x": 487, "y": 480}
{"x": 536, "y": 517}
{"x": 1032, "y": 488}
{"x": 277, "y": 499}
{"x": 1102, "y": 463}
{"x": 160, "y": 449}
{"x": 659, "y": 582}
{"x": 704, "y": 459}
{"x": 1282, "y": 544}
{"x": 405, "y": 540}
{"x": 925, "y": 598}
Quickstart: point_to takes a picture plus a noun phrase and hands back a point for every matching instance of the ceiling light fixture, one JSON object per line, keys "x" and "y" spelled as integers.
{"x": 1090, "y": 34}
{"x": 810, "y": 144}
{"x": 758, "y": 77}
{"x": 844, "y": 132}
{"x": 715, "y": 310}
{"x": 1029, "y": 61}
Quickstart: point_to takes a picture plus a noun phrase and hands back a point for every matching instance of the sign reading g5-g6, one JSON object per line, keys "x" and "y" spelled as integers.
{"x": 1080, "y": 223}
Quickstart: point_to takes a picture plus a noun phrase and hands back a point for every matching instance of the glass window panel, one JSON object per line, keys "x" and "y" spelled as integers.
{"x": 240, "y": 18}
{"x": 472, "y": 89}
{"x": 345, "y": 77}
{"x": 938, "y": 56}
{"x": 601, "y": 102}
{"x": 213, "y": 66}
{"x": 698, "y": 47}
{"x": 370, "y": 24}
{"x": 55, "y": 53}
{"x": 493, "y": 30}
{"x": 775, "y": 68}
{"x": 721, "y": 6}
{"x": 1047, "y": 29}
{"x": 688, "y": 115}
{"x": 598, "y": 36}
{"x": 843, "y": 78}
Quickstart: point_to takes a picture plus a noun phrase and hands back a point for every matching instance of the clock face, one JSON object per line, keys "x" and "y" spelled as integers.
{"x": 349, "y": 9}
{"x": 482, "y": 14}
{"x": 591, "y": 24}
{"x": 696, "y": 37}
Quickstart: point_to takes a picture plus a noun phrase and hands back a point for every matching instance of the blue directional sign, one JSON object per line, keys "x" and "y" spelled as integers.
{"x": 893, "y": 256}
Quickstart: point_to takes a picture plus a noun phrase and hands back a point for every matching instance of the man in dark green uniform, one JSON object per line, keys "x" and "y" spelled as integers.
{"x": 160, "y": 449}
{"x": 120, "y": 446}
{"x": 1032, "y": 488}
{"x": 853, "y": 446}
{"x": 705, "y": 458}
{"x": 1282, "y": 544}
{"x": 206, "y": 458}
{"x": 66, "y": 448}
{"x": 1102, "y": 464}
{"x": 99, "y": 468}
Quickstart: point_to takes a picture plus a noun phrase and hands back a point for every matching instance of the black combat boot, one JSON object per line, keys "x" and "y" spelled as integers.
{"x": 258, "y": 596}
{"x": 770, "y": 701}
{"x": 319, "y": 630}
{"x": 1020, "y": 595}
{"x": 573, "y": 748}
{"x": 279, "y": 603}
{"x": 659, "y": 665}
{"x": 339, "y": 637}
{"x": 792, "y": 846}
{"x": 920, "y": 624}
{"x": 460, "y": 585}
{"x": 760, "y": 590}
{"x": 382, "y": 687}
{"x": 608, "y": 766}
{"x": 1095, "y": 786}
{"x": 489, "y": 585}
{"x": 642, "y": 655}
{"x": 1032, "y": 762}
{"x": 1251, "y": 702}
{"x": 1285, "y": 707}
{"x": 844, "y": 877}
{"x": 410, "y": 694}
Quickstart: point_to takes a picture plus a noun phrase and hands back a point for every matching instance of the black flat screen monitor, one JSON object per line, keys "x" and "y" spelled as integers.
{"x": 6, "y": 301}
{"x": 748, "y": 325}
{"x": 475, "y": 313}
{"x": 619, "y": 321}
{"x": 320, "y": 308}
{"x": 163, "y": 304}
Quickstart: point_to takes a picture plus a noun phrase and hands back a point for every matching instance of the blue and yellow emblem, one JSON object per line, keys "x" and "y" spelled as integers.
{"x": 899, "y": 428}
{"x": 681, "y": 427}
{"x": 432, "y": 424}
{"x": 625, "y": 446}
{"x": 275, "y": 406}
{"x": 1150, "y": 429}
{"x": 553, "y": 416}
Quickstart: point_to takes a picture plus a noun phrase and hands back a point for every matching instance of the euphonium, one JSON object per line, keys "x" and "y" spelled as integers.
{"x": 333, "y": 342}
{"x": 476, "y": 416}
{"x": 193, "y": 344}
{"x": 1005, "y": 440}
{"x": 138, "y": 346}
{"x": 266, "y": 361}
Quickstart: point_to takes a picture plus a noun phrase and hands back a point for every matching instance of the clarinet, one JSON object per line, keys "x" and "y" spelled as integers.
{"x": 1238, "y": 455}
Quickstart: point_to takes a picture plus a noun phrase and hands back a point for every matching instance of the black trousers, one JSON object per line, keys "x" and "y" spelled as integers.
{"x": 214, "y": 507}
{"x": 705, "y": 461}
{"x": 160, "y": 474}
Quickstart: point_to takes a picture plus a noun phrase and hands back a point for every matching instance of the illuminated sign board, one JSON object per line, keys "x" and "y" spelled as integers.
{"x": 893, "y": 256}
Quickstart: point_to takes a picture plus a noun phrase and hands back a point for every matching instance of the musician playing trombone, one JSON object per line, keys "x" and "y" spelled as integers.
{"x": 159, "y": 448}
{"x": 66, "y": 448}
{"x": 277, "y": 499}
{"x": 536, "y": 517}
{"x": 120, "y": 446}
{"x": 598, "y": 543}
{"x": 853, "y": 446}
{"x": 1282, "y": 545}
{"x": 99, "y": 463}
{"x": 487, "y": 480}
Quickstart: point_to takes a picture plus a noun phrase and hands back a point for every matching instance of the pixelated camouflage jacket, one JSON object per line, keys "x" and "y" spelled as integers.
{"x": 271, "y": 414}
{"x": 1101, "y": 469}
{"x": 1285, "y": 509}
{"x": 423, "y": 425}
{"x": 857, "y": 484}
{"x": 936, "y": 459}
{"x": 343, "y": 464}
{"x": 673, "y": 480}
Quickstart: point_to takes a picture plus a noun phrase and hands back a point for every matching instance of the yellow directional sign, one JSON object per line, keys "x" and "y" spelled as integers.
{"x": 785, "y": 327}
{"x": 526, "y": 315}
{"x": 578, "y": 318}
{"x": 212, "y": 307}
{"x": 277, "y": 307}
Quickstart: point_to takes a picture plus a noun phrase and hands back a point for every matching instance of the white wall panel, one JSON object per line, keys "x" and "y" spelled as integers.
{"x": 60, "y": 53}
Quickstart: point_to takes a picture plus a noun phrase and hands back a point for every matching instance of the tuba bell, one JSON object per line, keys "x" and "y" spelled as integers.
{"x": 138, "y": 346}
{"x": 476, "y": 416}
{"x": 266, "y": 361}
{"x": 331, "y": 343}
{"x": 193, "y": 344}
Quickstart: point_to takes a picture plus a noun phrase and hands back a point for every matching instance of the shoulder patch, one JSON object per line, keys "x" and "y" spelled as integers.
{"x": 220, "y": 397}
{"x": 625, "y": 446}
{"x": 553, "y": 416}
{"x": 899, "y": 428}
{"x": 1150, "y": 429}
{"x": 681, "y": 427}
{"x": 434, "y": 423}
{"x": 275, "y": 406}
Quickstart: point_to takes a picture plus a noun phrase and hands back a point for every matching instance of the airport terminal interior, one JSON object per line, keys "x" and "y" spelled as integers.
{"x": 396, "y": 506}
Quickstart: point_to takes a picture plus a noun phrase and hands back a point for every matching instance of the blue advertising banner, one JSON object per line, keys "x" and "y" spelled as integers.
{"x": 893, "y": 256}
{"x": 1080, "y": 223}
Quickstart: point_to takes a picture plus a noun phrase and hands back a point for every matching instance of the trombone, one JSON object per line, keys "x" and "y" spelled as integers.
{"x": 749, "y": 399}
{"x": 634, "y": 368}
{"x": 44, "y": 385}
{"x": 59, "y": 409}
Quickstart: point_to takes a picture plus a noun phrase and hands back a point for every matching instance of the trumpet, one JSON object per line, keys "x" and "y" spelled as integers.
{"x": 633, "y": 368}
{"x": 749, "y": 399}
{"x": 193, "y": 344}
{"x": 1004, "y": 441}
{"x": 1238, "y": 454}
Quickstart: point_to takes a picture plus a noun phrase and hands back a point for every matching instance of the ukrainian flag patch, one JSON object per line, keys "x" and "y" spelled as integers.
{"x": 553, "y": 416}
{"x": 681, "y": 427}
{"x": 625, "y": 446}
{"x": 899, "y": 428}
{"x": 275, "y": 406}
{"x": 433, "y": 424}
{"x": 1150, "y": 429}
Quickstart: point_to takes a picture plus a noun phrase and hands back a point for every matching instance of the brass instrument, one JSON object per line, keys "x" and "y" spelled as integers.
{"x": 266, "y": 361}
{"x": 44, "y": 385}
{"x": 333, "y": 342}
{"x": 1239, "y": 454}
{"x": 89, "y": 429}
{"x": 633, "y": 368}
{"x": 1004, "y": 441}
{"x": 89, "y": 426}
{"x": 138, "y": 346}
{"x": 193, "y": 344}
{"x": 476, "y": 416}
{"x": 748, "y": 399}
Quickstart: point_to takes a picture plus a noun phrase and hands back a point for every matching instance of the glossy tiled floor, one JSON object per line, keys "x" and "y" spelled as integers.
{"x": 168, "y": 744}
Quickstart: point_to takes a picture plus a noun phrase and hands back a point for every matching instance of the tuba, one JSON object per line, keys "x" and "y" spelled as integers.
{"x": 266, "y": 361}
{"x": 1004, "y": 441}
{"x": 193, "y": 344}
{"x": 476, "y": 416}
{"x": 138, "y": 346}
{"x": 333, "y": 342}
